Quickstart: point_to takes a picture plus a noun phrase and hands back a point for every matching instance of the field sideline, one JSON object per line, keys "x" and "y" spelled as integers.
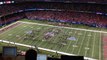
{"x": 88, "y": 42}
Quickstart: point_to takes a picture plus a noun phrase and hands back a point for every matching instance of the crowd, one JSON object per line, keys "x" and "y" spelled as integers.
{"x": 69, "y": 16}
{"x": 11, "y": 8}
{"x": 71, "y": 12}
{"x": 9, "y": 19}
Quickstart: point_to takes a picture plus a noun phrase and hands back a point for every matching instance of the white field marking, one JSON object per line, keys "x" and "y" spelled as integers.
{"x": 29, "y": 46}
{"x": 21, "y": 36}
{"x": 38, "y": 28}
{"x": 53, "y": 41}
{"x": 100, "y": 47}
{"x": 79, "y": 33}
{"x": 53, "y": 26}
{"x": 17, "y": 35}
{"x": 87, "y": 44}
{"x": 59, "y": 34}
{"x": 87, "y": 48}
{"x": 64, "y": 27}
{"x": 28, "y": 40}
{"x": 33, "y": 38}
{"x": 82, "y": 42}
{"x": 31, "y": 27}
{"x": 60, "y": 48}
{"x": 70, "y": 42}
{"x": 41, "y": 39}
{"x": 75, "y": 46}
{"x": 8, "y": 26}
{"x": 32, "y": 42}
{"x": 70, "y": 32}
{"x": 9, "y": 34}
{"x": 24, "y": 26}
{"x": 11, "y": 28}
{"x": 40, "y": 43}
{"x": 76, "y": 42}
{"x": 8, "y": 29}
{"x": 93, "y": 45}
{"x": 89, "y": 35}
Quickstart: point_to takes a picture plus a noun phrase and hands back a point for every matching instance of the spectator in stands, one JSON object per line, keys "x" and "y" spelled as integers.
{"x": 31, "y": 55}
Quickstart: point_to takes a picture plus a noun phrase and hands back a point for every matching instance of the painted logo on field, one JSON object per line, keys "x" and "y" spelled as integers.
{"x": 71, "y": 38}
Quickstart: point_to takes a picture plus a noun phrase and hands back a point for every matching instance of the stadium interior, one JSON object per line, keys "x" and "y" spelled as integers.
{"x": 53, "y": 29}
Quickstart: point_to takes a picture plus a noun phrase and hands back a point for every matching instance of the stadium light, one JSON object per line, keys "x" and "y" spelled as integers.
{"x": 12, "y": 1}
{"x": 1, "y": 3}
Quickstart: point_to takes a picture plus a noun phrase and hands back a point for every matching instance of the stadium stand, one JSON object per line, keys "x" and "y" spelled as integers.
{"x": 12, "y": 8}
{"x": 69, "y": 16}
{"x": 90, "y": 13}
{"x": 77, "y": 13}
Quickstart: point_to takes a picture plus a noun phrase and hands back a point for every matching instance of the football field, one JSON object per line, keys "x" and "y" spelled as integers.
{"x": 75, "y": 41}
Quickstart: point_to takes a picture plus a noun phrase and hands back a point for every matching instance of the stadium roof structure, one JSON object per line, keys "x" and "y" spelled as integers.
{"x": 67, "y": 1}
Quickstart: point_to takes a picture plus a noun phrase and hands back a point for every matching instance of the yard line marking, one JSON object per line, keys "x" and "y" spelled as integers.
{"x": 82, "y": 42}
{"x": 47, "y": 42}
{"x": 61, "y": 47}
{"x": 30, "y": 46}
{"x": 24, "y": 35}
{"x": 9, "y": 29}
{"x": 87, "y": 43}
{"x": 93, "y": 45}
{"x": 21, "y": 40}
{"x": 40, "y": 35}
{"x": 76, "y": 42}
{"x": 70, "y": 41}
{"x": 64, "y": 27}
{"x": 100, "y": 47}
{"x": 9, "y": 25}
{"x": 21, "y": 36}
{"x": 41, "y": 39}
{"x": 67, "y": 27}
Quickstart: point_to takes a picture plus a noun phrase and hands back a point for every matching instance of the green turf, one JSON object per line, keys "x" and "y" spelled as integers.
{"x": 87, "y": 43}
